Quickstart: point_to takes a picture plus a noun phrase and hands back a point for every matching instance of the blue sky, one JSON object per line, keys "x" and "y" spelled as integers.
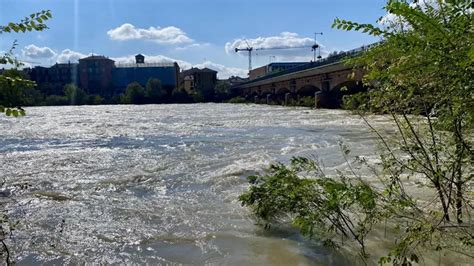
{"x": 193, "y": 32}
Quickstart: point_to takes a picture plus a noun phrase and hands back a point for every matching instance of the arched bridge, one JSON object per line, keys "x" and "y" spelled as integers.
{"x": 322, "y": 79}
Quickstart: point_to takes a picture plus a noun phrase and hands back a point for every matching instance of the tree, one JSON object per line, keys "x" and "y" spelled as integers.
{"x": 45, "y": 88}
{"x": 53, "y": 100}
{"x": 75, "y": 95}
{"x": 181, "y": 96}
{"x": 10, "y": 85}
{"x": 421, "y": 73}
{"x": 222, "y": 91}
{"x": 428, "y": 49}
{"x": 154, "y": 91}
{"x": 134, "y": 94}
{"x": 12, "y": 94}
{"x": 198, "y": 97}
{"x": 95, "y": 99}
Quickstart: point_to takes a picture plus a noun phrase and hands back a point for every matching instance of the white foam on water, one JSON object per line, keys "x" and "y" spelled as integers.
{"x": 159, "y": 183}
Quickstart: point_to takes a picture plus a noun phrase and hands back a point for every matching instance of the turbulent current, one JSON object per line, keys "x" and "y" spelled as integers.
{"x": 159, "y": 183}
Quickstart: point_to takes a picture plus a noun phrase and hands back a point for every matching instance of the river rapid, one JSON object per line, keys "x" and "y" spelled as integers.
{"x": 159, "y": 183}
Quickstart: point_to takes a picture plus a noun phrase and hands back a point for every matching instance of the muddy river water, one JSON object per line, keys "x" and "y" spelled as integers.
{"x": 159, "y": 183}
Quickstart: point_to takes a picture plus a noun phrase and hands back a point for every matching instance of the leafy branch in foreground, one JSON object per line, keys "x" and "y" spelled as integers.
{"x": 428, "y": 70}
{"x": 11, "y": 85}
{"x": 320, "y": 206}
{"x": 33, "y": 22}
{"x": 425, "y": 67}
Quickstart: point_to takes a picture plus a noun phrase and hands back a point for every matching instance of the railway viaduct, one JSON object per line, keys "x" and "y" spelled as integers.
{"x": 322, "y": 79}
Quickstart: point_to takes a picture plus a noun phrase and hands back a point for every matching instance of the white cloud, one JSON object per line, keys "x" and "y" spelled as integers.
{"x": 263, "y": 47}
{"x": 68, "y": 55}
{"x": 46, "y": 55}
{"x": 35, "y": 52}
{"x": 285, "y": 39}
{"x": 193, "y": 46}
{"x": 167, "y": 35}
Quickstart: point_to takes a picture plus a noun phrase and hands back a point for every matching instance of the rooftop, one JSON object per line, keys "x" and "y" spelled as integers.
{"x": 130, "y": 65}
{"x": 96, "y": 57}
{"x": 64, "y": 65}
{"x": 197, "y": 70}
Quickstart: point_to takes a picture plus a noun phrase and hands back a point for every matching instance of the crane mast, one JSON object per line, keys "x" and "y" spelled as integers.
{"x": 249, "y": 50}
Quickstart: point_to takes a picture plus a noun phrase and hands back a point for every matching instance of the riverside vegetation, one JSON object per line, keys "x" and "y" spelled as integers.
{"x": 27, "y": 94}
{"x": 12, "y": 85}
{"x": 421, "y": 75}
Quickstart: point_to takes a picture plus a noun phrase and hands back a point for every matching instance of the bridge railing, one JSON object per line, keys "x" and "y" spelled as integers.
{"x": 325, "y": 61}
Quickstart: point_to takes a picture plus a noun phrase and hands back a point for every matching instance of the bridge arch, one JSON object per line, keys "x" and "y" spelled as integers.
{"x": 348, "y": 87}
{"x": 278, "y": 95}
{"x": 281, "y": 90}
{"x": 307, "y": 90}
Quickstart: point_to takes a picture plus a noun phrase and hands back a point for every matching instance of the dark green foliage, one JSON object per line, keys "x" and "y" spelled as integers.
{"x": 198, "y": 97}
{"x": 237, "y": 99}
{"x": 134, "y": 94}
{"x": 424, "y": 66}
{"x": 320, "y": 206}
{"x": 154, "y": 91}
{"x": 75, "y": 95}
{"x": 306, "y": 101}
{"x": 34, "y": 22}
{"x": 359, "y": 101}
{"x": 222, "y": 91}
{"x": 32, "y": 97}
{"x": 365, "y": 28}
{"x": 181, "y": 96}
{"x": 12, "y": 84}
{"x": 95, "y": 100}
{"x": 53, "y": 100}
{"x": 13, "y": 89}
{"x": 46, "y": 88}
